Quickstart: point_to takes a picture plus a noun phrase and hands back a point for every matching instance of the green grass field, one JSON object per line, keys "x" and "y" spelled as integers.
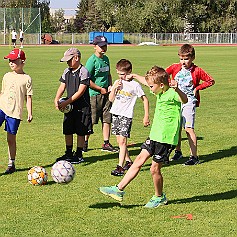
{"x": 207, "y": 191}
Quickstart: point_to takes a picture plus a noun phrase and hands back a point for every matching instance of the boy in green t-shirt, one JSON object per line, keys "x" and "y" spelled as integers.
{"x": 98, "y": 66}
{"x": 163, "y": 137}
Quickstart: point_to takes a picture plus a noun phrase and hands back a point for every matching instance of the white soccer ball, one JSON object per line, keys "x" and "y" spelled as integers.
{"x": 63, "y": 172}
{"x": 37, "y": 175}
{"x": 68, "y": 108}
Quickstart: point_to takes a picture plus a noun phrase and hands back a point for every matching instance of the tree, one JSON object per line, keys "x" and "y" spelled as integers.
{"x": 58, "y": 21}
{"x": 88, "y": 17}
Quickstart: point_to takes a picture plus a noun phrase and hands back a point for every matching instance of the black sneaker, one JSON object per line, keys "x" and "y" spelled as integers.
{"x": 10, "y": 169}
{"x": 119, "y": 171}
{"x": 66, "y": 156}
{"x": 192, "y": 161}
{"x": 75, "y": 159}
{"x": 108, "y": 147}
{"x": 127, "y": 165}
{"x": 85, "y": 147}
{"x": 177, "y": 155}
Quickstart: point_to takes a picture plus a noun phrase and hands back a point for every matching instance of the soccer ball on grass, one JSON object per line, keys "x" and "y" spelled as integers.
{"x": 63, "y": 172}
{"x": 37, "y": 175}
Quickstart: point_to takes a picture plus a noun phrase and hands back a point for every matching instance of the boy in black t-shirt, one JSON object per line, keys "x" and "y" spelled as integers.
{"x": 75, "y": 80}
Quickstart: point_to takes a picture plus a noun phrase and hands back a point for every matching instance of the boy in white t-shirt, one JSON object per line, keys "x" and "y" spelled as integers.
{"x": 14, "y": 36}
{"x": 124, "y": 94}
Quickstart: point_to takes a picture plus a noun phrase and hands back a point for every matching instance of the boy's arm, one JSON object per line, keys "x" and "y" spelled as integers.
{"x": 98, "y": 88}
{"x": 146, "y": 120}
{"x": 182, "y": 96}
{"x": 206, "y": 78}
{"x": 110, "y": 81}
{"x": 81, "y": 90}
{"x": 140, "y": 78}
{"x": 114, "y": 90}
{"x": 29, "y": 107}
{"x": 59, "y": 94}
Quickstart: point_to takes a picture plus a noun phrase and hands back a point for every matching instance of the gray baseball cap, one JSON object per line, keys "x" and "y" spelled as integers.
{"x": 69, "y": 54}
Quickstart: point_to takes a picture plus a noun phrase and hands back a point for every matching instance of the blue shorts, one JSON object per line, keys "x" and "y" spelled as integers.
{"x": 11, "y": 124}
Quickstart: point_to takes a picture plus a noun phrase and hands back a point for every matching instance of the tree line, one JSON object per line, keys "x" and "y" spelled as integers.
{"x": 139, "y": 16}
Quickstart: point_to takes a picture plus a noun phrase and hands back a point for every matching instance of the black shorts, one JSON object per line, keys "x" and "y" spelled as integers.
{"x": 159, "y": 151}
{"x": 13, "y": 40}
{"x": 78, "y": 122}
{"x": 21, "y": 39}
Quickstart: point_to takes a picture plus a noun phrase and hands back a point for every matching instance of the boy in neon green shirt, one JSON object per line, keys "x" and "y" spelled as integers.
{"x": 164, "y": 136}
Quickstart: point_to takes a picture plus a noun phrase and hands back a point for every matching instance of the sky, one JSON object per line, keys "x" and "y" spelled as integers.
{"x": 64, "y": 4}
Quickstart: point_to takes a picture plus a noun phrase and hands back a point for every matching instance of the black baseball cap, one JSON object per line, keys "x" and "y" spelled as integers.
{"x": 100, "y": 41}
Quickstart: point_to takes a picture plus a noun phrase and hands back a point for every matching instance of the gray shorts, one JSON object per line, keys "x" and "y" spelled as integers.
{"x": 121, "y": 125}
{"x": 188, "y": 114}
{"x": 100, "y": 107}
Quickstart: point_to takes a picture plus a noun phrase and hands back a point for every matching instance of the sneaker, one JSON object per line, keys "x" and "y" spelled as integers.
{"x": 127, "y": 165}
{"x": 108, "y": 147}
{"x": 66, "y": 156}
{"x": 85, "y": 147}
{"x": 10, "y": 169}
{"x": 75, "y": 159}
{"x": 119, "y": 171}
{"x": 177, "y": 155}
{"x": 157, "y": 201}
{"x": 113, "y": 192}
{"x": 192, "y": 161}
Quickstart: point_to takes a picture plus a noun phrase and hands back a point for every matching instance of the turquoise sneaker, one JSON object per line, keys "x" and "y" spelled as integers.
{"x": 113, "y": 192}
{"x": 157, "y": 201}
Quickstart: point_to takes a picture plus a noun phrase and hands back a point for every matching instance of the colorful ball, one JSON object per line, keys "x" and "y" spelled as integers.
{"x": 37, "y": 175}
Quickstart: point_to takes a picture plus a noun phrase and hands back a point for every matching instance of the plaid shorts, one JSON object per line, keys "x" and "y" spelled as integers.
{"x": 121, "y": 125}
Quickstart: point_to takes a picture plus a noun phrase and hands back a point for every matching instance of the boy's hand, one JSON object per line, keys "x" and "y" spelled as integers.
{"x": 117, "y": 84}
{"x": 62, "y": 105}
{"x": 173, "y": 84}
{"x": 56, "y": 103}
{"x": 146, "y": 121}
{"x": 103, "y": 91}
{"x": 29, "y": 118}
{"x": 129, "y": 77}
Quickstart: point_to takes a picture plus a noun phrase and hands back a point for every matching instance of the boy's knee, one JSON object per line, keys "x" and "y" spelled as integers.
{"x": 155, "y": 169}
{"x": 189, "y": 130}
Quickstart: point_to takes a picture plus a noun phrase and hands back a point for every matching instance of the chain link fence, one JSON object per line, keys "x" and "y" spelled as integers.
{"x": 132, "y": 38}
{"x": 27, "y": 19}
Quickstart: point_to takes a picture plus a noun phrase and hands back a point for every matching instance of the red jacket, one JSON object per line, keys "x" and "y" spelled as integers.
{"x": 198, "y": 74}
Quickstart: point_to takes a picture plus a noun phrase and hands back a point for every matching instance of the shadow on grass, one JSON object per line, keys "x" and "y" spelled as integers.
{"x": 198, "y": 138}
{"x": 26, "y": 169}
{"x": 232, "y": 151}
{"x": 111, "y": 205}
{"x": 204, "y": 198}
{"x": 112, "y": 155}
{"x": 220, "y": 154}
{"x": 207, "y": 198}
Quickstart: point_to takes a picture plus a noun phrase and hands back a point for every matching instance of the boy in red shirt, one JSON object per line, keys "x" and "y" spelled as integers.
{"x": 188, "y": 75}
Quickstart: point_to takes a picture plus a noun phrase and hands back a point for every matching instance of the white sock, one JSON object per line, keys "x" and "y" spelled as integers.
{"x": 11, "y": 162}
